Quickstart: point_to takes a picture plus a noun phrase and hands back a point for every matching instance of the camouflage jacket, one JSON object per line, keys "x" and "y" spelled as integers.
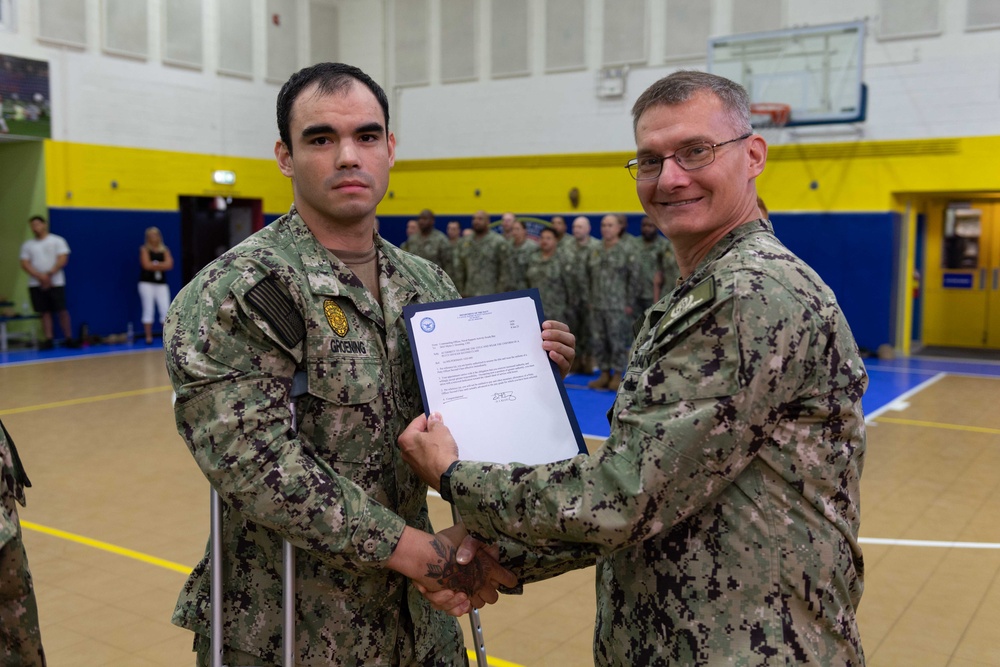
{"x": 517, "y": 264}
{"x": 725, "y": 504}
{"x": 612, "y": 281}
{"x": 649, "y": 260}
{"x": 578, "y": 256}
{"x": 339, "y": 490}
{"x": 20, "y": 637}
{"x": 482, "y": 264}
{"x": 434, "y": 247}
{"x": 553, "y": 278}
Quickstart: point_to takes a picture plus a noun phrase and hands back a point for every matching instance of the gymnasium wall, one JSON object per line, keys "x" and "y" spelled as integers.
{"x": 22, "y": 195}
{"x": 838, "y": 206}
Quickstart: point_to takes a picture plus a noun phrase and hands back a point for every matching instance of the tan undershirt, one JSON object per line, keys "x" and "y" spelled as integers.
{"x": 365, "y": 267}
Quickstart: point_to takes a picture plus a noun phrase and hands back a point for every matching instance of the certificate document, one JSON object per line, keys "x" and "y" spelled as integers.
{"x": 481, "y": 364}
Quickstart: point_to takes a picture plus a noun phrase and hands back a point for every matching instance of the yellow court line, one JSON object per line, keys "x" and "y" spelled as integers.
{"x": 494, "y": 661}
{"x": 953, "y": 427}
{"x": 176, "y": 567}
{"x": 89, "y": 399}
{"x": 104, "y": 546}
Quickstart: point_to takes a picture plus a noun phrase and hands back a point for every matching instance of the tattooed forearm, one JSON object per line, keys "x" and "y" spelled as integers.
{"x": 449, "y": 574}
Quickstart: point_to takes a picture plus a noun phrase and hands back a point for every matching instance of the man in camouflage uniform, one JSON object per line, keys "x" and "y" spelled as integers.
{"x": 482, "y": 259}
{"x": 723, "y": 510}
{"x": 624, "y": 236}
{"x": 20, "y": 638}
{"x": 578, "y": 252}
{"x": 318, "y": 293}
{"x": 558, "y": 223}
{"x": 611, "y": 289}
{"x": 454, "y": 235}
{"x": 652, "y": 249}
{"x": 550, "y": 272}
{"x": 520, "y": 252}
{"x": 428, "y": 242}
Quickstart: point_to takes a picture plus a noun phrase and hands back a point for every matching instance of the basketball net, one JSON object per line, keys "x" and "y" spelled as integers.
{"x": 769, "y": 119}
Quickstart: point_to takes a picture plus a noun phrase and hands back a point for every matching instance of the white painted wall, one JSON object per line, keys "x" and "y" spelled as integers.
{"x": 938, "y": 86}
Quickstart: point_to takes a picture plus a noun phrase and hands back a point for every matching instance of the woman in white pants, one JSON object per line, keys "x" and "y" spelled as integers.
{"x": 156, "y": 260}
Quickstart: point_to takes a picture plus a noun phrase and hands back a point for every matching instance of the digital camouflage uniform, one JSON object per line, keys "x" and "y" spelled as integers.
{"x": 579, "y": 318}
{"x": 517, "y": 264}
{"x": 340, "y": 491}
{"x": 482, "y": 264}
{"x": 435, "y": 247}
{"x": 671, "y": 271}
{"x": 452, "y": 268}
{"x": 611, "y": 286}
{"x": 724, "y": 507}
{"x": 649, "y": 260}
{"x": 552, "y": 276}
{"x": 20, "y": 639}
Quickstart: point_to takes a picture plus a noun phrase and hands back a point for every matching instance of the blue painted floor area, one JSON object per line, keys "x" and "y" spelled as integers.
{"x": 30, "y": 356}
{"x": 888, "y": 380}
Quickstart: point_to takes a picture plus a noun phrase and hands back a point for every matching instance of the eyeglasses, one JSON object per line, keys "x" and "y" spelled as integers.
{"x": 688, "y": 158}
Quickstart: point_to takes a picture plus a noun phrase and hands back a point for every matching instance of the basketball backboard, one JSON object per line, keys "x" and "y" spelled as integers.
{"x": 817, "y": 71}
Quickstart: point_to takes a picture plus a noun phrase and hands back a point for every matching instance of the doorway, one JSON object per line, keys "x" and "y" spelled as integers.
{"x": 212, "y": 225}
{"x": 961, "y": 288}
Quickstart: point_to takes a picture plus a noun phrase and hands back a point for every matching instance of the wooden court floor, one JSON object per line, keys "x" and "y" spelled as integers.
{"x": 118, "y": 512}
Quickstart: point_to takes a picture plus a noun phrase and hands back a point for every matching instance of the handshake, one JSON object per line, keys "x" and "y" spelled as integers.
{"x": 453, "y": 570}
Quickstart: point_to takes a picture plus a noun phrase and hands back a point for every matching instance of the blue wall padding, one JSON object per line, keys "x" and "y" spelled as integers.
{"x": 855, "y": 254}
{"x": 102, "y": 277}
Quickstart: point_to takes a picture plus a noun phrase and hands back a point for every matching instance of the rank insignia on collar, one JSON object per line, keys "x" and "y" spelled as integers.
{"x": 335, "y": 316}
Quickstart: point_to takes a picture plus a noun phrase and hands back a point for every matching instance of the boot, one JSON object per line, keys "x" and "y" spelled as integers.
{"x": 601, "y": 382}
{"x": 615, "y": 380}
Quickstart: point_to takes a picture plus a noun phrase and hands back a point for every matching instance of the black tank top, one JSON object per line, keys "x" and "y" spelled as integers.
{"x": 153, "y": 276}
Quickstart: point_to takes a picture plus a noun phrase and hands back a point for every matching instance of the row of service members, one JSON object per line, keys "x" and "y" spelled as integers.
{"x": 600, "y": 287}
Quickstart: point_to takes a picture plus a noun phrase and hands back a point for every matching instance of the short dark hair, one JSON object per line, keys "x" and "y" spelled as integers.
{"x": 681, "y": 86}
{"x": 332, "y": 78}
{"x": 546, "y": 229}
{"x": 37, "y": 217}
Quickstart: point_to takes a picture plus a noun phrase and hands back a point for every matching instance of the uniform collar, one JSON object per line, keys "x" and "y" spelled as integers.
{"x": 397, "y": 286}
{"x": 725, "y": 244}
{"x": 704, "y": 267}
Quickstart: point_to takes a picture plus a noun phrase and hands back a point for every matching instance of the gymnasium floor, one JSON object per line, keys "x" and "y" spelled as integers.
{"x": 119, "y": 512}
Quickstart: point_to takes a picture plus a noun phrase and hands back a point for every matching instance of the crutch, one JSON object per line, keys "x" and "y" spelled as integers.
{"x": 477, "y": 626}
{"x": 299, "y": 386}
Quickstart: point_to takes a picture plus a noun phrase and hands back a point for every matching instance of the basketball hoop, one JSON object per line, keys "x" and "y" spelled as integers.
{"x": 769, "y": 114}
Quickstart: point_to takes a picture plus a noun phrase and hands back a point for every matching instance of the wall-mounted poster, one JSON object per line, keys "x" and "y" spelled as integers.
{"x": 25, "y": 103}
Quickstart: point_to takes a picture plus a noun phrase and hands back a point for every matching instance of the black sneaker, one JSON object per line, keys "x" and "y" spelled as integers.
{"x": 71, "y": 343}
{"x": 46, "y": 344}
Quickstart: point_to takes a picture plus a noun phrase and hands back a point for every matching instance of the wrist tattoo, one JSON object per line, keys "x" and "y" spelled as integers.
{"x": 448, "y": 573}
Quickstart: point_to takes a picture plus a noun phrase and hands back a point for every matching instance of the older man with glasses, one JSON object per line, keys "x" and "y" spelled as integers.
{"x": 723, "y": 510}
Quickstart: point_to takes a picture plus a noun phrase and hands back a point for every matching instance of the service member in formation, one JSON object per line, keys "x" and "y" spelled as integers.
{"x": 521, "y": 250}
{"x": 318, "y": 294}
{"x": 428, "y": 242}
{"x": 578, "y": 252}
{"x": 651, "y": 250}
{"x": 482, "y": 259}
{"x": 723, "y": 510}
{"x": 550, "y": 272}
{"x": 612, "y": 285}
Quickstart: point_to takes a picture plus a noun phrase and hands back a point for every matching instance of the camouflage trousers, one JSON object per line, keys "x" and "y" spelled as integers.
{"x": 20, "y": 638}
{"x": 610, "y": 338}
{"x": 236, "y": 658}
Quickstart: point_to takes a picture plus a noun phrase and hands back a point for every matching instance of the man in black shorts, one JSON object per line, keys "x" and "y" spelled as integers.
{"x": 43, "y": 258}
